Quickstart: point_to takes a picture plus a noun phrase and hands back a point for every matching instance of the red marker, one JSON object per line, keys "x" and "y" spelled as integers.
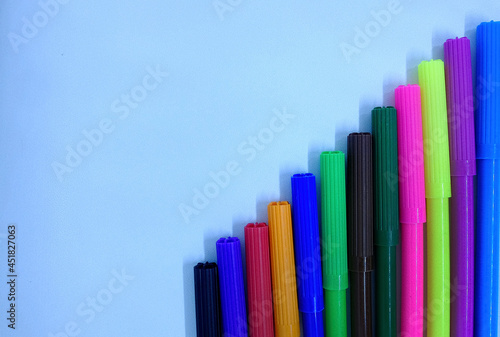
{"x": 260, "y": 299}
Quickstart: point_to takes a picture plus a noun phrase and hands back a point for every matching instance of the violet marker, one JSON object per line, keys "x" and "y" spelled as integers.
{"x": 232, "y": 292}
{"x": 458, "y": 73}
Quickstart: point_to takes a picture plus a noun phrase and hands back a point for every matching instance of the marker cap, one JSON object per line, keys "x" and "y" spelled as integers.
{"x": 488, "y": 90}
{"x": 410, "y": 155}
{"x": 334, "y": 223}
{"x": 206, "y": 290}
{"x": 232, "y": 292}
{"x": 360, "y": 202}
{"x": 286, "y": 311}
{"x": 306, "y": 243}
{"x": 260, "y": 298}
{"x": 460, "y": 100}
{"x": 385, "y": 173}
{"x": 435, "y": 129}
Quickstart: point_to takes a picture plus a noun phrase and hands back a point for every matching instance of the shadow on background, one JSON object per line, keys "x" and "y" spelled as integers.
{"x": 189, "y": 304}
{"x": 263, "y": 199}
{"x": 313, "y": 159}
{"x": 239, "y": 223}
{"x": 413, "y": 58}
{"x": 439, "y": 37}
{"x": 314, "y": 167}
{"x": 341, "y": 133}
{"x": 286, "y": 173}
{"x": 366, "y": 106}
{"x": 470, "y": 25}
{"x": 391, "y": 82}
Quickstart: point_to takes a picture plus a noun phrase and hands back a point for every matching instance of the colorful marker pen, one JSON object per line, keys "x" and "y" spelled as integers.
{"x": 232, "y": 292}
{"x": 286, "y": 312}
{"x": 385, "y": 217}
{"x": 207, "y": 300}
{"x": 412, "y": 213}
{"x": 334, "y": 242}
{"x": 260, "y": 298}
{"x": 360, "y": 231}
{"x": 488, "y": 182}
{"x": 458, "y": 71}
{"x": 438, "y": 191}
{"x": 307, "y": 254}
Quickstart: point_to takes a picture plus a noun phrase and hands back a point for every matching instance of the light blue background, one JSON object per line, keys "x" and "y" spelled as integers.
{"x": 119, "y": 208}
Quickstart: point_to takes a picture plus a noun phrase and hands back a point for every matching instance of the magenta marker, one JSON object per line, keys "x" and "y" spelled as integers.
{"x": 412, "y": 212}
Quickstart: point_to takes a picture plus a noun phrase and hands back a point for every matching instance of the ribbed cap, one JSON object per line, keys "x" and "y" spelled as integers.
{"x": 286, "y": 311}
{"x": 360, "y": 202}
{"x": 435, "y": 129}
{"x": 333, "y": 224}
{"x": 232, "y": 292}
{"x": 460, "y": 100}
{"x": 488, "y": 90}
{"x": 385, "y": 174}
{"x": 260, "y": 298}
{"x": 410, "y": 155}
{"x": 206, "y": 291}
{"x": 306, "y": 243}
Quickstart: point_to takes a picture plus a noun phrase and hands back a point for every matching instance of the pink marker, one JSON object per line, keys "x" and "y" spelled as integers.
{"x": 411, "y": 208}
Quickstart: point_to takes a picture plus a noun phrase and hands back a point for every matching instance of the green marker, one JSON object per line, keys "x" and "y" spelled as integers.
{"x": 334, "y": 242}
{"x": 437, "y": 192}
{"x": 386, "y": 217}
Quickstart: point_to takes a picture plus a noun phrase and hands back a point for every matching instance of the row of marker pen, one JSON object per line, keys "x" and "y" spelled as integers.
{"x": 416, "y": 168}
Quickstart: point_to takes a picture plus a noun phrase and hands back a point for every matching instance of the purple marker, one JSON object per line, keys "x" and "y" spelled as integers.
{"x": 458, "y": 71}
{"x": 232, "y": 292}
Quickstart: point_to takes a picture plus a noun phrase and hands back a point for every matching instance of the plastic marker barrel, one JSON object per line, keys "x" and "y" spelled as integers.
{"x": 232, "y": 292}
{"x": 260, "y": 298}
{"x": 206, "y": 291}
{"x": 412, "y": 213}
{"x": 360, "y": 231}
{"x": 334, "y": 240}
{"x": 386, "y": 217}
{"x": 488, "y": 182}
{"x": 307, "y": 253}
{"x": 438, "y": 191}
{"x": 286, "y": 312}
{"x": 458, "y": 71}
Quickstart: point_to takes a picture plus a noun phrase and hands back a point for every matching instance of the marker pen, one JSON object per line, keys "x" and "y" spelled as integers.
{"x": 385, "y": 217}
{"x": 488, "y": 182}
{"x": 334, "y": 242}
{"x": 438, "y": 191}
{"x": 360, "y": 231}
{"x": 286, "y": 312}
{"x": 207, "y": 300}
{"x": 260, "y": 298}
{"x": 232, "y": 292}
{"x": 458, "y": 71}
{"x": 307, "y": 254}
{"x": 412, "y": 213}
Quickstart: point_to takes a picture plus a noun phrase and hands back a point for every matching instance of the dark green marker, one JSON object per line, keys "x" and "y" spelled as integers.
{"x": 386, "y": 217}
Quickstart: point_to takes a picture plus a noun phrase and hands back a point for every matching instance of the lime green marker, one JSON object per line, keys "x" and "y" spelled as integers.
{"x": 334, "y": 242}
{"x": 431, "y": 79}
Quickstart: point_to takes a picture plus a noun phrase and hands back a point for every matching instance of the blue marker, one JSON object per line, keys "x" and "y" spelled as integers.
{"x": 488, "y": 179}
{"x": 307, "y": 253}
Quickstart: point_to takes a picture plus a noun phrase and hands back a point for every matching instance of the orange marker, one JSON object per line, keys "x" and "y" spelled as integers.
{"x": 286, "y": 310}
